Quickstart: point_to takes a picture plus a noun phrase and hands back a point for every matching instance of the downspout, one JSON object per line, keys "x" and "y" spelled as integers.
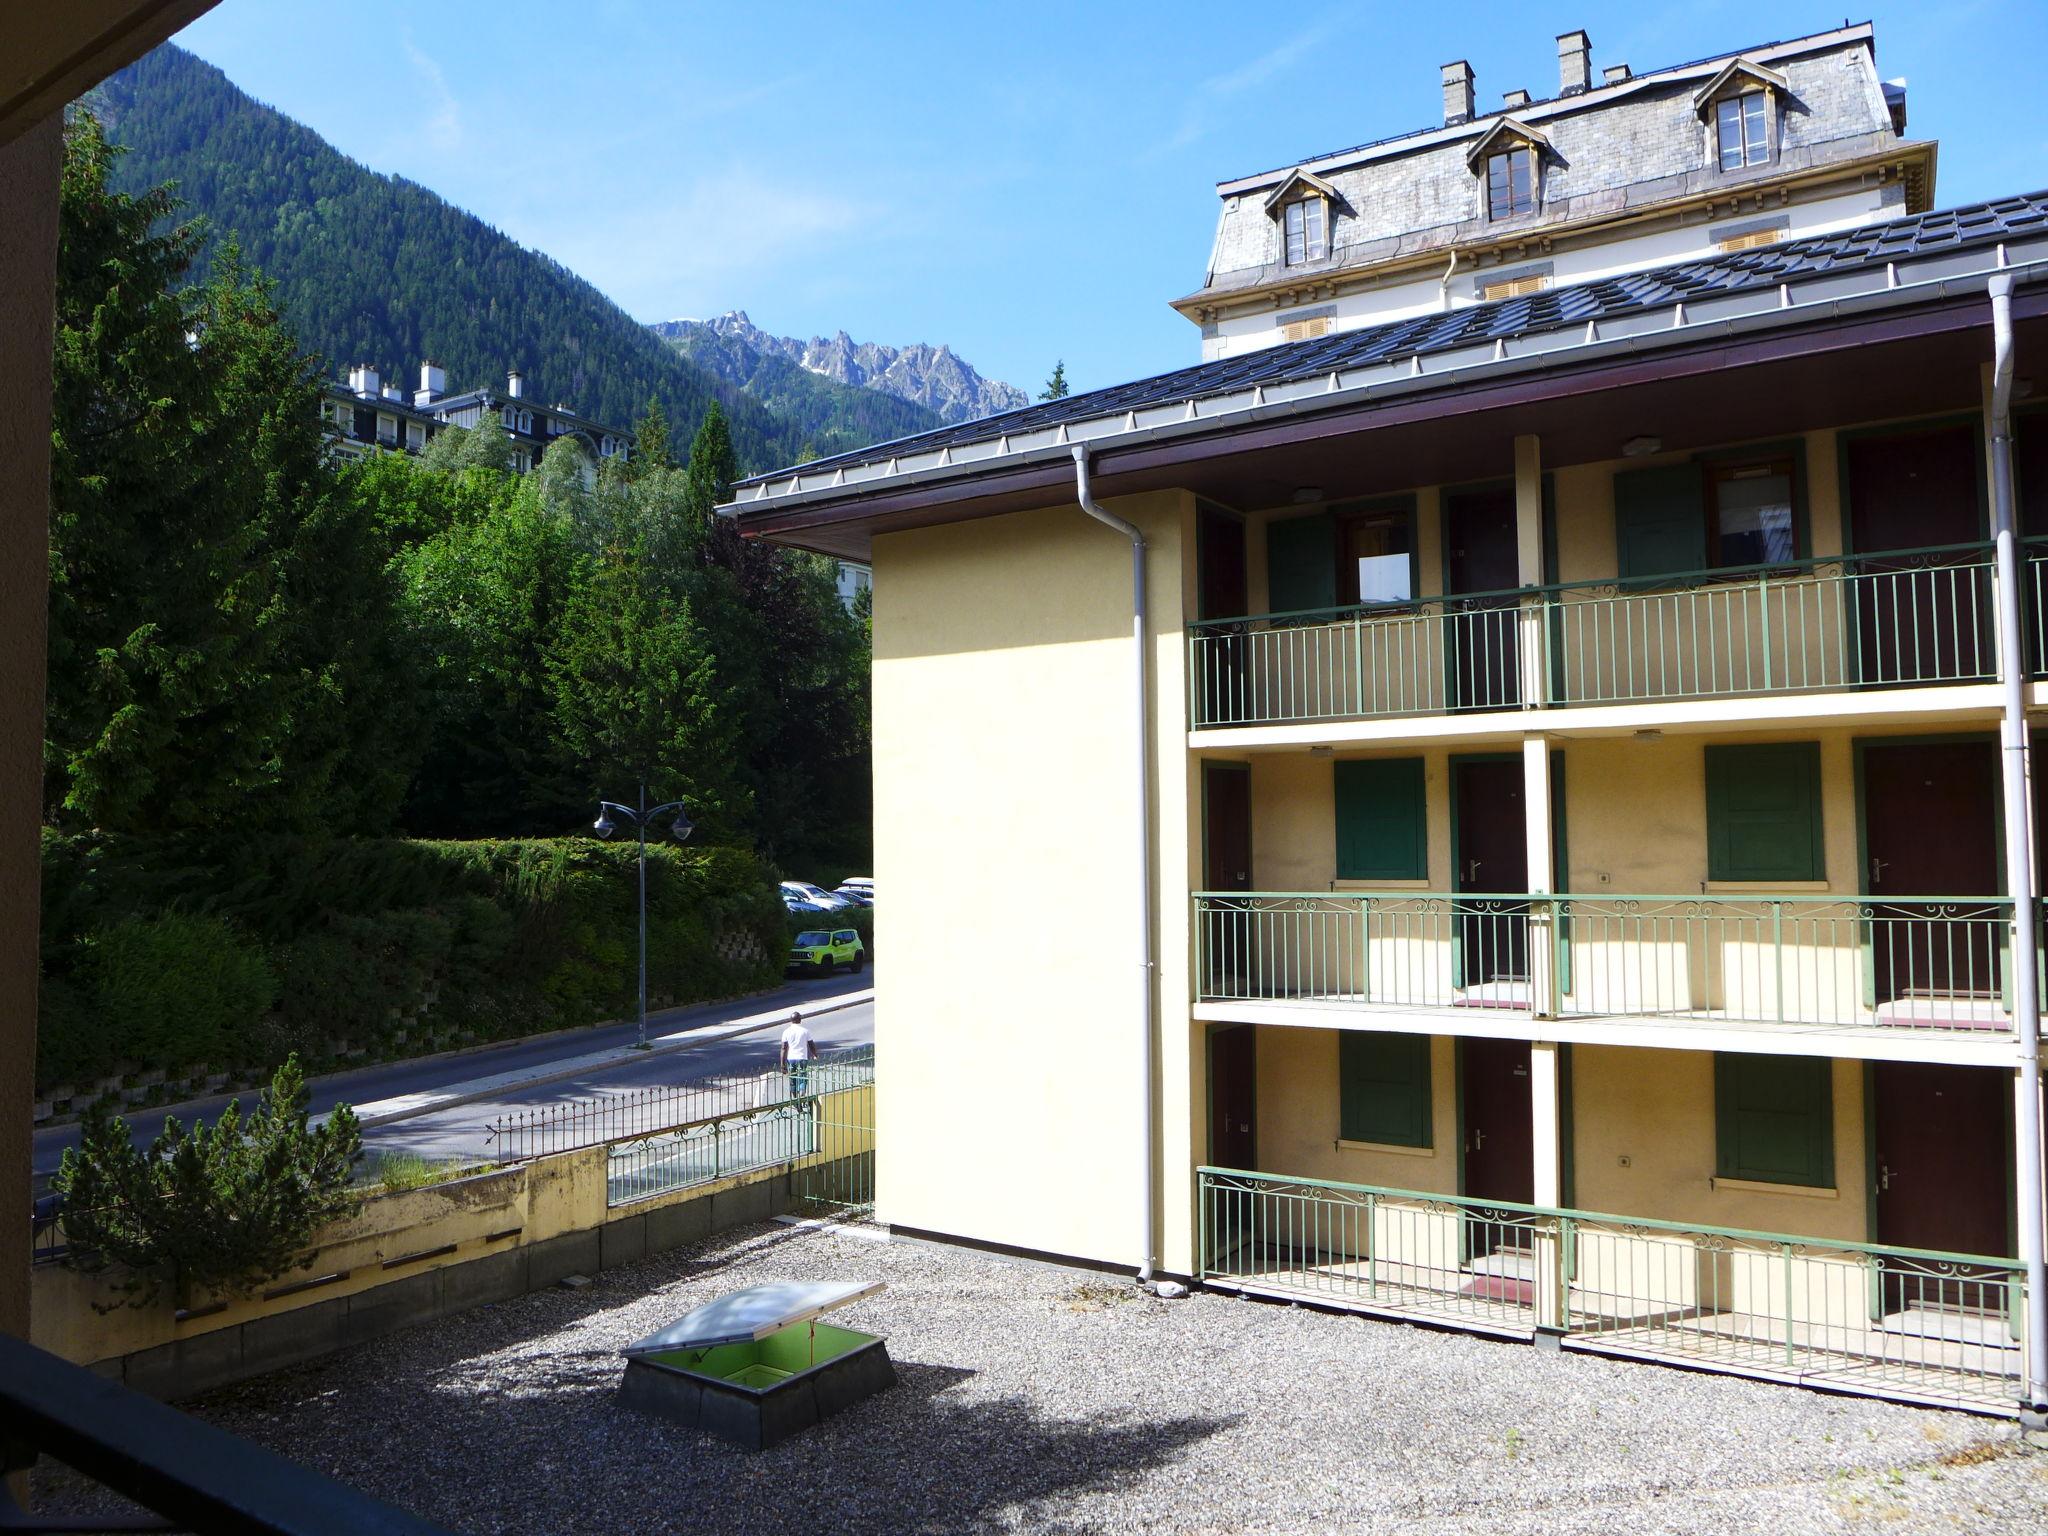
{"x": 1443, "y": 296}
{"x": 2019, "y": 851}
{"x": 1141, "y": 726}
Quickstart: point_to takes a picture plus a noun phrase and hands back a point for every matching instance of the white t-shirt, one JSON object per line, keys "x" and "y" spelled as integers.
{"x": 796, "y": 1042}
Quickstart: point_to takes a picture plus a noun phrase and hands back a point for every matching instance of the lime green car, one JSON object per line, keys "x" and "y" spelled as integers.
{"x": 823, "y": 950}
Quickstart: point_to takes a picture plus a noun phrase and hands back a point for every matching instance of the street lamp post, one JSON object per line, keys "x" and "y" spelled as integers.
{"x": 679, "y": 828}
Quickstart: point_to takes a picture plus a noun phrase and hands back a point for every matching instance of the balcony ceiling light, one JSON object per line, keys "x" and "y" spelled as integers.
{"x": 1641, "y": 447}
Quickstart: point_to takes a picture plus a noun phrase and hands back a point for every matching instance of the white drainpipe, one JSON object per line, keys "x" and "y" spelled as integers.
{"x": 2018, "y": 847}
{"x": 1141, "y": 726}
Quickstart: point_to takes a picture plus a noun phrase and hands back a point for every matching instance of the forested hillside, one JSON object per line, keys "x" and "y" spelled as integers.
{"x": 377, "y": 269}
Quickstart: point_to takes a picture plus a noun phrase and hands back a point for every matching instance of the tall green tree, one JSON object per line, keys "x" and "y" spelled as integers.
{"x": 1056, "y": 385}
{"x": 214, "y": 632}
{"x": 651, "y": 448}
{"x": 483, "y": 446}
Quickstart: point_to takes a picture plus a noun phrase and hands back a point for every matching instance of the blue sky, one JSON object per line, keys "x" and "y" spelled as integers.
{"x": 1022, "y": 182}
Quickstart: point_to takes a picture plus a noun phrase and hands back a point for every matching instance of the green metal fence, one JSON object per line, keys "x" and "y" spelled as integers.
{"x": 1909, "y": 617}
{"x": 1860, "y": 1317}
{"x": 818, "y": 1120}
{"x": 1920, "y": 963}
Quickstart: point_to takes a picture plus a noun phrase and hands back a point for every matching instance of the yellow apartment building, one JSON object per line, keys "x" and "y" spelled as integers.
{"x": 1520, "y": 808}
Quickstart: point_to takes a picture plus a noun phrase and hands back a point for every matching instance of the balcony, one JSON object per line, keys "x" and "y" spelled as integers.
{"x": 1908, "y": 978}
{"x": 1924, "y": 1326}
{"x": 1904, "y": 619}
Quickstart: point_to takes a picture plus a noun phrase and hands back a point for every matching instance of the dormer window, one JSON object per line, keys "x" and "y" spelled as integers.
{"x": 1308, "y": 231}
{"x": 1738, "y": 109}
{"x": 1508, "y": 160}
{"x": 1744, "y": 135}
{"x": 1511, "y": 183}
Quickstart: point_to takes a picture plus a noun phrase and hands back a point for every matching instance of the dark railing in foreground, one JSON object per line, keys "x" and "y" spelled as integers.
{"x": 1856, "y": 1317}
{"x": 1926, "y": 963}
{"x": 194, "y": 1476}
{"x": 1903, "y": 618}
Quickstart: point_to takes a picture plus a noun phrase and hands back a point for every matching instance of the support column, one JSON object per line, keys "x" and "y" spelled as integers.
{"x": 1537, "y": 821}
{"x": 1553, "y": 1238}
{"x": 28, "y": 275}
{"x": 1530, "y": 630}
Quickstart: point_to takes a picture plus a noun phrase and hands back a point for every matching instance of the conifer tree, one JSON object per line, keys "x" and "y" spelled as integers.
{"x": 1056, "y": 386}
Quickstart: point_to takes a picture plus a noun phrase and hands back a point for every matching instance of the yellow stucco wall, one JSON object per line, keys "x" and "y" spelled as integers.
{"x": 1003, "y": 760}
{"x": 1642, "y": 1136}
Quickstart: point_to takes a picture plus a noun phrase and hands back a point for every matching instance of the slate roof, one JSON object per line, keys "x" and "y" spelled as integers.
{"x": 1979, "y": 224}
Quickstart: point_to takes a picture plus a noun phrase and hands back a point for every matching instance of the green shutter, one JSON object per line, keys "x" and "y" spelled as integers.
{"x": 1301, "y": 564}
{"x": 1382, "y": 830}
{"x": 1384, "y": 1088}
{"x": 1763, "y": 812}
{"x": 1660, "y": 520}
{"x": 1774, "y": 1119}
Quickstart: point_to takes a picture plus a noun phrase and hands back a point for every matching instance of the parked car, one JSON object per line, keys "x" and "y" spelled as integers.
{"x": 824, "y": 950}
{"x": 817, "y": 895}
{"x": 865, "y": 884}
{"x": 859, "y": 896}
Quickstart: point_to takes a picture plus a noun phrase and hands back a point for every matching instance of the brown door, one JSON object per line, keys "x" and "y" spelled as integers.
{"x": 1226, "y": 932}
{"x": 1941, "y": 1175}
{"x": 1933, "y": 952}
{"x": 1500, "y": 1149}
{"x": 1233, "y": 1097}
{"x": 1220, "y": 657}
{"x": 1491, "y": 857}
{"x": 1482, "y": 645}
{"x": 1919, "y": 618}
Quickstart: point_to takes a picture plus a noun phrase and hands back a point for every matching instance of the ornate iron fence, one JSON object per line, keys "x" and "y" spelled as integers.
{"x": 1910, "y": 617}
{"x": 1924, "y": 963}
{"x": 1858, "y": 1317}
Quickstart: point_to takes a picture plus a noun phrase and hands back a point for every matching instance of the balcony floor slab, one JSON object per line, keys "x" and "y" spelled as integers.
{"x": 1863, "y": 1042}
{"x": 1862, "y": 708}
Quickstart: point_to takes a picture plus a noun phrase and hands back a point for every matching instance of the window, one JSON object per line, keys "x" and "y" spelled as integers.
{"x": 1741, "y": 123}
{"x": 1763, "y": 812}
{"x": 1383, "y": 1088}
{"x": 1774, "y": 1119}
{"x": 510, "y": 417}
{"x": 1750, "y": 514}
{"x": 1308, "y": 234}
{"x": 1515, "y": 287}
{"x": 1382, "y": 829}
{"x": 1722, "y": 512}
{"x": 1375, "y": 563}
{"x": 415, "y": 434}
{"x": 1510, "y": 183}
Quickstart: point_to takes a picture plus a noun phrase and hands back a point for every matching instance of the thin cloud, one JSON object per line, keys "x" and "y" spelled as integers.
{"x": 1213, "y": 92}
{"x": 441, "y": 124}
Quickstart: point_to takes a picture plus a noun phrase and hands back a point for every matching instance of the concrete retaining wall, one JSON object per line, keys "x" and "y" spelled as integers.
{"x": 403, "y": 1259}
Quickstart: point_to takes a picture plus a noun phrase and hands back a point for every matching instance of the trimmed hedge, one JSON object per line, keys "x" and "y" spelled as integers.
{"x": 156, "y": 957}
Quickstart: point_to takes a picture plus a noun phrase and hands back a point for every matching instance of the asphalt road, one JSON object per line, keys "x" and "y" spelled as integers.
{"x": 459, "y": 1130}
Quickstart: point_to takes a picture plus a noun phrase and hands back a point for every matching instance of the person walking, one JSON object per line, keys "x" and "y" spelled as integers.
{"x": 798, "y": 1052}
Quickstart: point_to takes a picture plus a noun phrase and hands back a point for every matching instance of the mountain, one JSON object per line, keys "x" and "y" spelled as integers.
{"x": 377, "y": 269}
{"x": 932, "y": 377}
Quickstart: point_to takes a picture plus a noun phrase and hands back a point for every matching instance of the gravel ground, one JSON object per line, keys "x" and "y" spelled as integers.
{"x": 1038, "y": 1399}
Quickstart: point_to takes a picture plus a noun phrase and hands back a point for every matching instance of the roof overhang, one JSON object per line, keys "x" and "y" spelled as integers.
{"x": 1429, "y": 415}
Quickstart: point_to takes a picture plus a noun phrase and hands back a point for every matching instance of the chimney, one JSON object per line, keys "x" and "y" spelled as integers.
{"x": 433, "y": 383}
{"x": 515, "y": 383}
{"x": 392, "y": 392}
{"x": 363, "y": 380}
{"x": 1457, "y": 94}
{"x": 1513, "y": 100}
{"x": 1574, "y": 63}
{"x": 1614, "y": 74}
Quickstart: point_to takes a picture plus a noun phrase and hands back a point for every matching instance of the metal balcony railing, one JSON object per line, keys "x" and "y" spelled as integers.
{"x": 1937, "y": 964}
{"x": 1857, "y": 1317}
{"x": 1905, "y": 618}
{"x": 194, "y": 1476}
